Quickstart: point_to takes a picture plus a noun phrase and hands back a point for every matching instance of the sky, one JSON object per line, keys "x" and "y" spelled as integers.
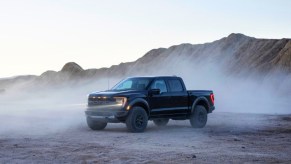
{"x": 36, "y": 36}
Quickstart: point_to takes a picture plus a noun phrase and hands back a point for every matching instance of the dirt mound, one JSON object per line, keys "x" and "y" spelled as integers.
{"x": 72, "y": 68}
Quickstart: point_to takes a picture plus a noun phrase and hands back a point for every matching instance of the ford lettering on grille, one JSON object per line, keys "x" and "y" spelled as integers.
{"x": 98, "y": 102}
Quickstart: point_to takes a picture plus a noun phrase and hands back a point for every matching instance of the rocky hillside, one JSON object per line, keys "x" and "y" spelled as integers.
{"x": 235, "y": 54}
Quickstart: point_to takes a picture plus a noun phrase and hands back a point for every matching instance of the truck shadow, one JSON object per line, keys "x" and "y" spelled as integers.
{"x": 220, "y": 130}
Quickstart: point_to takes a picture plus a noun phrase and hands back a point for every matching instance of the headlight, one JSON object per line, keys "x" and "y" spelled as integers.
{"x": 120, "y": 100}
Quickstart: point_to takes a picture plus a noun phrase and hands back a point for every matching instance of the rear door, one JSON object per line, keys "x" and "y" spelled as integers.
{"x": 179, "y": 96}
{"x": 160, "y": 104}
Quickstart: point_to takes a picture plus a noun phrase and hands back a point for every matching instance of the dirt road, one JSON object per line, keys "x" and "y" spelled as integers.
{"x": 227, "y": 138}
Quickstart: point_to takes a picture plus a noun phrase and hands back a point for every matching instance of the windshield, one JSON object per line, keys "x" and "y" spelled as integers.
{"x": 132, "y": 84}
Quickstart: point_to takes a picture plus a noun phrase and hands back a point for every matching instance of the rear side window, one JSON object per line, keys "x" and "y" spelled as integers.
{"x": 175, "y": 85}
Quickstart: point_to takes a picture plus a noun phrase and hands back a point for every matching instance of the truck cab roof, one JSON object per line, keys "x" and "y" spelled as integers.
{"x": 154, "y": 77}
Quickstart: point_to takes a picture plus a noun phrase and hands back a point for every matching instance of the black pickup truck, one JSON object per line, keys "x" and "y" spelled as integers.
{"x": 136, "y": 100}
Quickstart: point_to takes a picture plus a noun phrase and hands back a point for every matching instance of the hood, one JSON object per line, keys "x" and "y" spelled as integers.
{"x": 118, "y": 93}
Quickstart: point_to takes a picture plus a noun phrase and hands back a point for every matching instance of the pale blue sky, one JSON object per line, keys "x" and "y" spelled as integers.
{"x": 36, "y": 36}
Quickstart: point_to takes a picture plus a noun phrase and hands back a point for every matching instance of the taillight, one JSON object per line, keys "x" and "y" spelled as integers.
{"x": 212, "y": 98}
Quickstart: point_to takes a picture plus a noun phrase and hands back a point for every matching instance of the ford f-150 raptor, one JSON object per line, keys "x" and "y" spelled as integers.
{"x": 136, "y": 100}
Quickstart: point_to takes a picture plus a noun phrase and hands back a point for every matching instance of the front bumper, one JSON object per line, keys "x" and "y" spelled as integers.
{"x": 112, "y": 114}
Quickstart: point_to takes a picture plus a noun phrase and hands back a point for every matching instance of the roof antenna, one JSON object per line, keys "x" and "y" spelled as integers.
{"x": 108, "y": 79}
{"x": 107, "y": 83}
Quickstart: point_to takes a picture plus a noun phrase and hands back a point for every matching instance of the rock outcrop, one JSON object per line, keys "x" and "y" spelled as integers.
{"x": 72, "y": 68}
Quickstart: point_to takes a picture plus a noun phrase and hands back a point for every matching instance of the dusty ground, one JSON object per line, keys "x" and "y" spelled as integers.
{"x": 227, "y": 138}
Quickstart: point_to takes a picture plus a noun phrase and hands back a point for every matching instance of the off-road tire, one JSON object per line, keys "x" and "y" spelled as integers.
{"x": 161, "y": 121}
{"x": 198, "y": 118}
{"x": 95, "y": 125}
{"x": 137, "y": 120}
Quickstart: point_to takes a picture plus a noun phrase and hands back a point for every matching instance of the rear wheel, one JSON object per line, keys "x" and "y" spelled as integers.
{"x": 137, "y": 120}
{"x": 161, "y": 121}
{"x": 95, "y": 125}
{"x": 198, "y": 118}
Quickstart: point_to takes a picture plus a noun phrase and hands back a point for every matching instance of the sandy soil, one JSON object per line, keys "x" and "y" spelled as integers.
{"x": 227, "y": 138}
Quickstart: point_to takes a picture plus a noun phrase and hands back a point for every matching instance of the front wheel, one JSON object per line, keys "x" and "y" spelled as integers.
{"x": 95, "y": 125}
{"x": 137, "y": 120}
{"x": 198, "y": 118}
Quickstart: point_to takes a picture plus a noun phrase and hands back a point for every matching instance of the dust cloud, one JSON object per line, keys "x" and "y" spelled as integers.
{"x": 49, "y": 110}
{"x": 243, "y": 92}
{"x": 45, "y": 110}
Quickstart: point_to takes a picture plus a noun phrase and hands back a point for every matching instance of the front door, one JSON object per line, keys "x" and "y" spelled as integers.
{"x": 160, "y": 103}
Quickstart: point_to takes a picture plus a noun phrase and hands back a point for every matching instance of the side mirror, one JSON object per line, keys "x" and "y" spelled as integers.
{"x": 154, "y": 92}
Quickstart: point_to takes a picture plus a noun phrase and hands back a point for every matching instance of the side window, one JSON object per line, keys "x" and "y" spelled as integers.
{"x": 159, "y": 84}
{"x": 175, "y": 85}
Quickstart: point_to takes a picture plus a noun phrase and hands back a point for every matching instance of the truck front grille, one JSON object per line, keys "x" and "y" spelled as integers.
{"x": 100, "y": 101}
